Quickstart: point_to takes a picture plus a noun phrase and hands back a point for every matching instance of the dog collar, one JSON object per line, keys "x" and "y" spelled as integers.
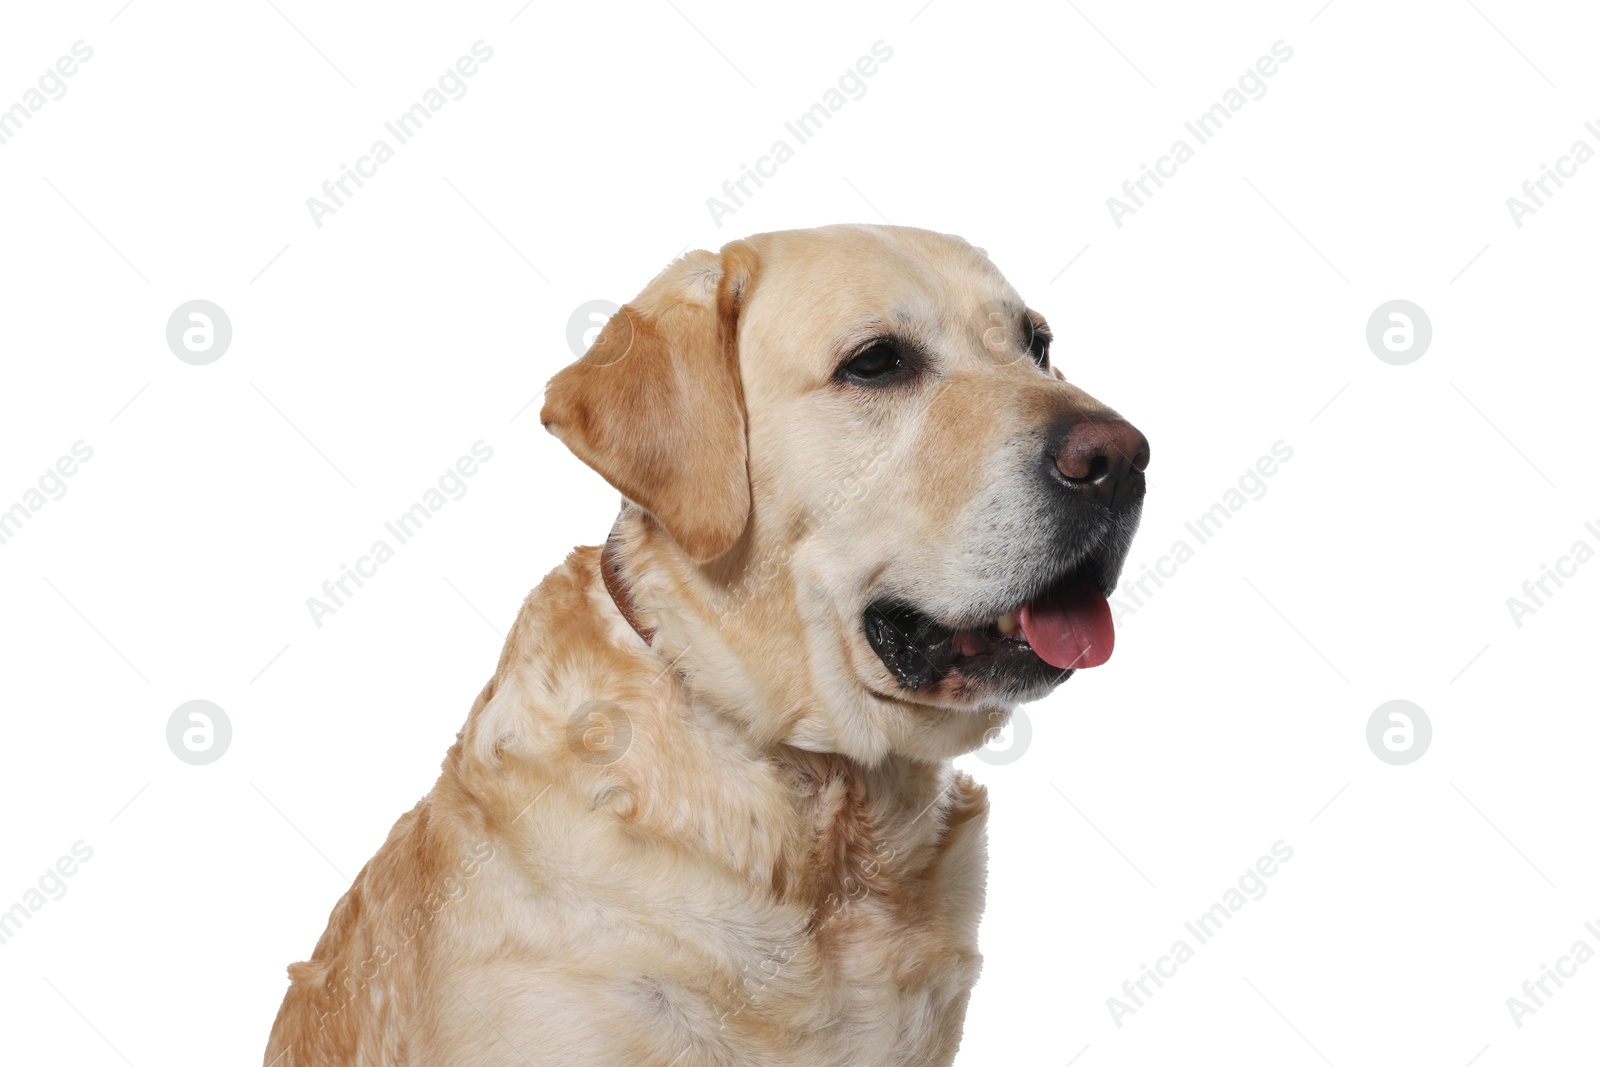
{"x": 611, "y": 576}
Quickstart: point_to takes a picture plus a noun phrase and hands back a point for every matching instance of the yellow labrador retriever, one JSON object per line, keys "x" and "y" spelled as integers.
{"x": 704, "y": 812}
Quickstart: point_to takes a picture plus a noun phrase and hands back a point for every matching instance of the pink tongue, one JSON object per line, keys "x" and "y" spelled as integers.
{"x": 1070, "y": 629}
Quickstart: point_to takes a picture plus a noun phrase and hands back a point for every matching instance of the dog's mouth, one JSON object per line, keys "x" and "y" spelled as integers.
{"x": 1065, "y": 626}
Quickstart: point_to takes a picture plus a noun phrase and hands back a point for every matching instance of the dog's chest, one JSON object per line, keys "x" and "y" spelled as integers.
{"x": 871, "y": 951}
{"x": 837, "y": 928}
{"x": 867, "y": 960}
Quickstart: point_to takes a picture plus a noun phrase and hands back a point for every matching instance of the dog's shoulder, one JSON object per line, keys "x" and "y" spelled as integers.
{"x": 610, "y": 848}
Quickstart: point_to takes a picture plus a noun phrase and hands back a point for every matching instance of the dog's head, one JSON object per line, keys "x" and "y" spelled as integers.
{"x": 867, "y": 511}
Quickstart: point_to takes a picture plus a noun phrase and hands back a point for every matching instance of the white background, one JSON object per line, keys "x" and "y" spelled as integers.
{"x": 1227, "y": 314}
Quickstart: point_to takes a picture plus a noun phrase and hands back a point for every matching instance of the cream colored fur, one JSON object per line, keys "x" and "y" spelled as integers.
{"x": 740, "y": 843}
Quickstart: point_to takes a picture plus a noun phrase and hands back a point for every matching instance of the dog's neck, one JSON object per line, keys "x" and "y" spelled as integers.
{"x": 734, "y": 631}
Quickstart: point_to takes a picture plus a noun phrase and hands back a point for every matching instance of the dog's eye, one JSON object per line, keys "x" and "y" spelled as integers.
{"x": 1039, "y": 346}
{"x": 880, "y": 360}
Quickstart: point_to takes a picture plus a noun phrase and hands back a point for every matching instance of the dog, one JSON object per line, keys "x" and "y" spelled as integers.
{"x": 704, "y": 812}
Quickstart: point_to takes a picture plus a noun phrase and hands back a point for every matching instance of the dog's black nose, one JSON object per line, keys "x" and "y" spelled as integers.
{"x": 1103, "y": 460}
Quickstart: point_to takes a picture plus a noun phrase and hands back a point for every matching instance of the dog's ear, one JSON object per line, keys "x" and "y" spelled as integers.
{"x": 656, "y": 408}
